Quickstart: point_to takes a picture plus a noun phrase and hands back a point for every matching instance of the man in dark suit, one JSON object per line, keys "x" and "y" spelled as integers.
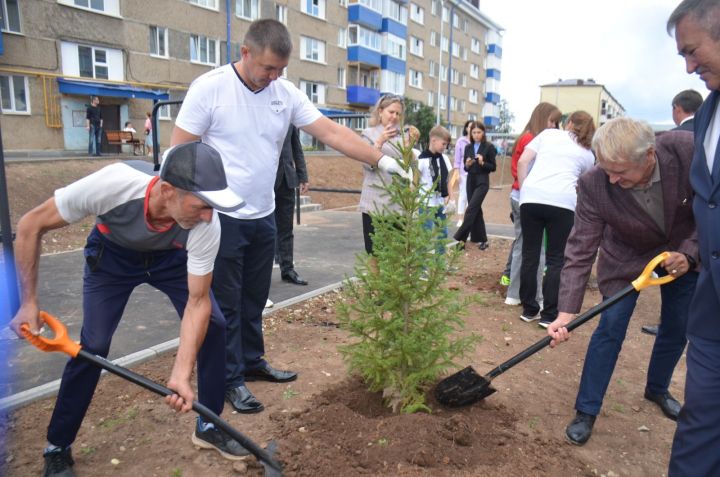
{"x": 291, "y": 174}
{"x": 696, "y": 447}
{"x": 635, "y": 204}
{"x": 684, "y": 105}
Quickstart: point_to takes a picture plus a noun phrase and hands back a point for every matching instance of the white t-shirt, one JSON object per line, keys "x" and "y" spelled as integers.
{"x": 554, "y": 174}
{"x": 116, "y": 194}
{"x": 248, "y": 129}
{"x": 426, "y": 180}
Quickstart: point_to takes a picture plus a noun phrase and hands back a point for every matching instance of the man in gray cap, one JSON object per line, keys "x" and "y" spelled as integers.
{"x": 162, "y": 231}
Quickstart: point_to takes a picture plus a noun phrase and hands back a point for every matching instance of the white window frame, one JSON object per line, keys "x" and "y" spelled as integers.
{"x": 473, "y": 96}
{"x": 107, "y": 7}
{"x": 433, "y": 38}
{"x": 155, "y": 32}
{"x": 209, "y": 4}
{"x": 394, "y": 46}
{"x": 417, "y": 46}
{"x": 417, "y": 13}
{"x": 342, "y": 39}
{"x": 5, "y": 27}
{"x": 443, "y": 101}
{"x": 343, "y": 3}
{"x": 445, "y": 14}
{"x": 96, "y": 63}
{"x": 433, "y": 7}
{"x": 11, "y": 88}
{"x": 341, "y": 78}
{"x": 474, "y": 71}
{"x": 364, "y": 37}
{"x": 456, "y": 49}
{"x": 395, "y": 11}
{"x": 475, "y": 45}
{"x": 444, "y": 43}
{"x": 431, "y": 99}
{"x": 199, "y": 39}
{"x": 254, "y": 12}
{"x": 281, "y": 13}
{"x": 415, "y": 79}
{"x": 314, "y": 8}
{"x": 431, "y": 69}
{"x": 372, "y": 4}
{"x": 318, "y": 93}
{"x": 311, "y": 47}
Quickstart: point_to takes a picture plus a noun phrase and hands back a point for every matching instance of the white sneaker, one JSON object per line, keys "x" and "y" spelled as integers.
{"x": 512, "y": 301}
{"x": 530, "y": 319}
{"x": 269, "y": 303}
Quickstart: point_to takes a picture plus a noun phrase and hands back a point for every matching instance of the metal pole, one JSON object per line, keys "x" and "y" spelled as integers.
{"x": 450, "y": 41}
{"x": 9, "y": 275}
{"x": 155, "y": 133}
{"x": 228, "y": 16}
{"x": 439, "y": 76}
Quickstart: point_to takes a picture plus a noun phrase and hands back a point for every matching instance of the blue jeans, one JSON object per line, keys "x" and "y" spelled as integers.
{"x": 608, "y": 337}
{"x": 241, "y": 284}
{"x": 95, "y": 140}
{"x": 430, "y": 224}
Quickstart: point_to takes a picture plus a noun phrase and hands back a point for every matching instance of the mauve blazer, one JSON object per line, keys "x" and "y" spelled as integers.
{"x": 609, "y": 222}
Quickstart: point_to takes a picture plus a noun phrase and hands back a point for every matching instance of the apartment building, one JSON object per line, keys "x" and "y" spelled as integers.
{"x": 55, "y": 54}
{"x": 585, "y": 94}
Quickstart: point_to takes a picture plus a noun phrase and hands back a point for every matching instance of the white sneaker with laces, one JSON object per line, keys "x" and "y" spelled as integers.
{"x": 530, "y": 319}
{"x": 512, "y": 301}
{"x": 269, "y": 303}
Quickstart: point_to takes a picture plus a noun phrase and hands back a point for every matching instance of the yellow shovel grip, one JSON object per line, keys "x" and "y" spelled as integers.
{"x": 646, "y": 279}
{"x": 61, "y": 341}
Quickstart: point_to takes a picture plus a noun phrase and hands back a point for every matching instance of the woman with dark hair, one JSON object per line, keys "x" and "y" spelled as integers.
{"x": 547, "y": 205}
{"x": 459, "y": 165}
{"x": 544, "y": 116}
{"x": 479, "y": 162}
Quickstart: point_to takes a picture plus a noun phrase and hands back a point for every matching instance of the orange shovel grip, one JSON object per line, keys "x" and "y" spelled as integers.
{"x": 61, "y": 341}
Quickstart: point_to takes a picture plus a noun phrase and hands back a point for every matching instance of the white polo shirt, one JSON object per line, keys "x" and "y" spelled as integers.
{"x": 247, "y": 128}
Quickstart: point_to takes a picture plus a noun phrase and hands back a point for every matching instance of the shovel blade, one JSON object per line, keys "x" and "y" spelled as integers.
{"x": 463, "y": 388}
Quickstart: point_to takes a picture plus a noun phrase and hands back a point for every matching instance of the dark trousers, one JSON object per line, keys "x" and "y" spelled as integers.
{"x": 696, "y": 446}
{"x": 95, "y": 140}
{"x": 111, "y": 274}
{"x": 473, "y": 222}
{"x": 284, "y": 208}
{"x": 608, "y": 337}
{"x": 241, "y": 284}
{"x": 557, "y": 222}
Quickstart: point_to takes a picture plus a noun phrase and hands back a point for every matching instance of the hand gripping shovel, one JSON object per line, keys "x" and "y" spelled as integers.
{"x": 467, "y": 387}
{"x": 62, "y": 342}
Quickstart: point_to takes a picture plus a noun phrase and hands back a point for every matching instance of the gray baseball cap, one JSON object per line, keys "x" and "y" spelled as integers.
{"x": 198, "y": 169}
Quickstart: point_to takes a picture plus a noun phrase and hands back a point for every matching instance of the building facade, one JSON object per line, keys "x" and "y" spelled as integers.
{"x": 56, "y": 54}
{"x": 587, "y": 95}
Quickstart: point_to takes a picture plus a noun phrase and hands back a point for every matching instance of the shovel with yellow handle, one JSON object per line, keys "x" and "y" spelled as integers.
{"x": 467, "y": 387}
{"x": 62, "y": 342}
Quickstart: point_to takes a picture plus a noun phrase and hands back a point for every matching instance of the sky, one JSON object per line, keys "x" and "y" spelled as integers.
{"x": 621, "y": 44}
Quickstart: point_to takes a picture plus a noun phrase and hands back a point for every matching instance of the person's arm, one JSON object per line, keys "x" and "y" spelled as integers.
{"x": 181, "y": 136}
{"x": 298, "y": 157}
{"x": 87, "y": 119}
{"x": 489, "y": 163}
{"x": 32, "y": 226}
{"x": 192, "y": 334}
{"x": 523, "y": 167}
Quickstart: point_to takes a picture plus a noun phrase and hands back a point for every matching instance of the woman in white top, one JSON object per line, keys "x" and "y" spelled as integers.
{"x": 547, "y": 204}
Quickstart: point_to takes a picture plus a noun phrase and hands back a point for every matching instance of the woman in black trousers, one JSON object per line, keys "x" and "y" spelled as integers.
{"x": 479, "y": 163}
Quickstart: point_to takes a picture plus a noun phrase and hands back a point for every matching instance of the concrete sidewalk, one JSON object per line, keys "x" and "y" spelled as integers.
{"x": 325, "y": 248}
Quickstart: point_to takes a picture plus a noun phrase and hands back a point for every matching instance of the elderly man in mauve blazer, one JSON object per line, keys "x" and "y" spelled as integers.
{"x": 636, "y": 203}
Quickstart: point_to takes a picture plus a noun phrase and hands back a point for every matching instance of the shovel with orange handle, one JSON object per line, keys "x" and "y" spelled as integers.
{"x": 62, "y": 342}
{"x": 467, "y": 387}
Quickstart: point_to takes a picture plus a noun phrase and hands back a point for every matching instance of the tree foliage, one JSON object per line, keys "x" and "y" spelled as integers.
{"x": 404, "y": 321}
{"x": 421, "y": 116}
{"x": 506, "y": 118}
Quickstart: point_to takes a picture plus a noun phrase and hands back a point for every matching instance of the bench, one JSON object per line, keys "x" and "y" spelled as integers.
{"x": 126, "y": 137}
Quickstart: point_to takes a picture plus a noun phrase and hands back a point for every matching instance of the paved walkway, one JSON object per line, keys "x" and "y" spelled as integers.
{"x": 325, "y": 247}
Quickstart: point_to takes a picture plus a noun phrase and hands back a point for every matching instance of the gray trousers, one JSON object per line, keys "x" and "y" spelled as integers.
{"x": 516, "y": 263}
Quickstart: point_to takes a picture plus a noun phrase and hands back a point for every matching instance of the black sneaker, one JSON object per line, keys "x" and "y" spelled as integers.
{"x": 58, "y": 463}
{"x": 214, "y": 438}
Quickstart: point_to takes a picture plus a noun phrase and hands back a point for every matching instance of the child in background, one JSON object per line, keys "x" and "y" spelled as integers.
{"x": 435, "y": 169}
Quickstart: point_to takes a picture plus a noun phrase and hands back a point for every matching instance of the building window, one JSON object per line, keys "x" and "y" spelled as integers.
{"x": 93, "y": 62}
{"x": 456, "y": 20}
{"x": 417, "y": 13}
{"x": 372, "y": 4}
{"x": 431, "y": 99}
{"x": 315, "y": 8}
{"x": 474, "y": 71}
{"x": 203, "y": 50}
{"x": 433, "y": 38}
{"x": 394, "y": 46}
{"x": 443, "y": 72}
{"x": 463, "y": 80}
{"x": 456, "y": 49}
{"x": 281, "y": 14}
{"x": 158, "y": 41}
{"x": 314, "y": 91}
{"x": 416, "y": 46}
{"x": 312, "y": 49}
{"x": 361, "y": 36}
{"x": 432, "y": 69}
{"x": 442, "y": 102}
{"x": 10, "y": 16}
{"x": 433, "y": 7}
{"x": 342, "y": 38}
{"x": 445, "y": 14}
{"x": 392, "y": 82}
{"x": 475, "y": 45}
{"x": 453, "y": 103}
{"x": 205, "y": 3}
{"x": 341, "y": 78}
{"x": 395, "y": 11}
{"x": 14, "y": 94}
{"x": 343, "y": 3}
{"x": 461, "y": 105}
{"x": 444, "y": 43}
{"x": 473, "y": 96}
{"x": 464, "y": 53}
{"x": 465, "y": 25}
{"x": 454, "y": 76}
{"x": 415, "y": 78}
{"x": 247, "y": 9}
{"x": 111, "y": 7}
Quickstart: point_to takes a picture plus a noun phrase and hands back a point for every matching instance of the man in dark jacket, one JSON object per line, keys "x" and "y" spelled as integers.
{"x": 684, "y": 105}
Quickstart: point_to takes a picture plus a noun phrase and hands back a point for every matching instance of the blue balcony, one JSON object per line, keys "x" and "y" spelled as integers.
{"x": 362, "y": 96}
{"x": 493, "y": 98}
{"x": 393, "y": 64}
{"x": 493, "y": 73}
{"x": 495, "y": 50}
{"x": 364, "y": 16}
{"x": 364, "y": 55}
{"x": 491, "y": 121}
{"x": 391, "y": 26}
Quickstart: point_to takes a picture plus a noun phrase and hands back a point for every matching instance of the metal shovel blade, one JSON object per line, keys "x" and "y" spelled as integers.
{"x": 463, "y": 388}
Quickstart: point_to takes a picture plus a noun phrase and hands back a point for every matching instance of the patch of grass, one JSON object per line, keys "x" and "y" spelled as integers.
{"x": 289, "y": 393}
{"x": 383, "y": 442}
{"x": 618, "y": 408}
{"x": 87, "y": 450}
{"x": 505, "y": 327}
{"x": 176, "y": 472}
{"x": 130, "y": 414}
{"x": 532, "y": 423}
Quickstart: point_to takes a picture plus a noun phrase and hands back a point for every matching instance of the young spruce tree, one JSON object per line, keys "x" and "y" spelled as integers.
{"x": 403, "y": 320}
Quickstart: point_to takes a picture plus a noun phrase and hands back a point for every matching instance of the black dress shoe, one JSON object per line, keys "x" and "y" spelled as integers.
{"x": 483, "y": 246}
{"x": 650, "y": 330}
{"x": 580, "y": 429}
{"x": 293, "y": 277}
{"x": 243, "y": 401}
{"x": 268, "y": 373}
{"x": 668, "y": 404}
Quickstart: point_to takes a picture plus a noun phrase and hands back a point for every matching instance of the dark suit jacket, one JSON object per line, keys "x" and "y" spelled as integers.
{"x": 704, "y": 318}
{"x": 608, "y": 218}
{"x": 688, "y": 125}
{"x": 292, "y": 167}
{"x": 488, "y": 153}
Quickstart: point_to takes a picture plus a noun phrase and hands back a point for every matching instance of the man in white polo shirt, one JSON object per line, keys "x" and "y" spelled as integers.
{"x": 243, "y": 110}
